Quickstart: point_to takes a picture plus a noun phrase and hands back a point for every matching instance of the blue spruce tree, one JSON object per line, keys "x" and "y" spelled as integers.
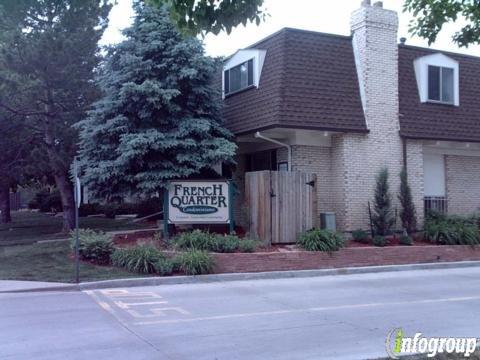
{"x": 160, "y": 115}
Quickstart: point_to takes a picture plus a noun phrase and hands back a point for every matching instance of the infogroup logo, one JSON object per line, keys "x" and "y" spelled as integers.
{"x": 397, "y": 344}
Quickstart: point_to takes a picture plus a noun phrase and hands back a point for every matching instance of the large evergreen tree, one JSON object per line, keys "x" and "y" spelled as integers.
{"x": 159, "y": 117}
{"x": 51, "y": 45}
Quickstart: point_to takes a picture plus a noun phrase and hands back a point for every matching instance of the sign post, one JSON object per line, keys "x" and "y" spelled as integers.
{"x": 198, "y": 202}
{"x": 78, "y": 196}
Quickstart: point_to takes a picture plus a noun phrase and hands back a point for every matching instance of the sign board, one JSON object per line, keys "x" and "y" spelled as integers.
{"x": 199, "y": 202}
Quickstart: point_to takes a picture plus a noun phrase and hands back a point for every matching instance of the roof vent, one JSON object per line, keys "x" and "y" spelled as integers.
{"x": 403, "y": 40}
{"x": 378, "y": 4}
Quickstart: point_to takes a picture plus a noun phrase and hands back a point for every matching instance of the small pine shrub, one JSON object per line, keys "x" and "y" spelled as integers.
{"x": 383, "y": 217}
{"x": 405, "y": 240}
{"x": 195, "y": 262}
{"x": 164, "y": 266}
{"x": 321, "y": 240}
{"x": 248, "y": 245}
{"x": 360, "y": 236}
{"x": 94, "y": 246}
{"x": 226, "y": 244}
{"x": 408, "y": 213}
{"x": 196, "y": 239}
{"x": 379, "y": 241}
{"x": 140, "y": 259}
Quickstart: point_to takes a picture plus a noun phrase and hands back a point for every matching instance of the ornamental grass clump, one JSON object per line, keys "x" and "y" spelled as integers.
{"x": 140, "y": 259}
{"x": 321, "y": 240}
{"x": 94, "y": 246}
{"x": 194, "y": 262}
{"x": 451, "y": 230}
{"x": 196, "y": 239}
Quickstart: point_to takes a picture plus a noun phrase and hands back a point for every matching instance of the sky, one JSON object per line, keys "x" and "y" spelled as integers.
{"x": 330, "y": 16}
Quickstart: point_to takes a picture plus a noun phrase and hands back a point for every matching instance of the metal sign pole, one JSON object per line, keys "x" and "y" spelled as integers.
{"x": 231, "y": 207}
{"x": 165, "y": 213}
{"x": 77, "y": 196}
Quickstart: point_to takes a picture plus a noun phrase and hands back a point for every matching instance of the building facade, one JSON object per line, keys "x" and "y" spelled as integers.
{"x": 344, "y": 107}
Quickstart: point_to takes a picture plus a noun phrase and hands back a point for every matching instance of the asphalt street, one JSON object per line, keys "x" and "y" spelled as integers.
{"x": 331, "y": 317}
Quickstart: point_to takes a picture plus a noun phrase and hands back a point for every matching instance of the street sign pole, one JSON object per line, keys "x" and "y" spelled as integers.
{"x": 165, "y": 213}
{"x": 77, "y": 195}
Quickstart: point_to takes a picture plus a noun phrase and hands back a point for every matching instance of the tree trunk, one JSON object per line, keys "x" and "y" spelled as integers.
{"x": 68, "y": 202}
{"x": 5, "y": 216}
{"x": 59, "y": 168}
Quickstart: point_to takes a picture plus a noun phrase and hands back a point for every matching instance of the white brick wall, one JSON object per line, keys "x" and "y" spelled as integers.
{"x": 463, "y": 184}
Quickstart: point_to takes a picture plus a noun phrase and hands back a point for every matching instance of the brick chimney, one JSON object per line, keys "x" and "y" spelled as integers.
{"x": 375, "y": 46}
{"x": 374, "y": 41}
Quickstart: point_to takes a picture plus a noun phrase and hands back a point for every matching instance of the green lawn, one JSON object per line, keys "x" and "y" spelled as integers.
{"x": 50, "y": 262}
{"x": 29, "y": 227}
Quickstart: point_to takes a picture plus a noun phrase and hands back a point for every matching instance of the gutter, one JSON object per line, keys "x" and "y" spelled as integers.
{"x": 289, "y": 147}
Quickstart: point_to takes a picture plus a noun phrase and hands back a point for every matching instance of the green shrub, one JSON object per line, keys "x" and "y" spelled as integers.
{"x": 321, "y": 240}
{"x": 47, "y": 201}
{"x": 225, "y": 243}
{"x": 194, "y": 262}
{"x": 360, "y": 236}
{"x": 379, "y": 241}
{"x": 451, "y": 230}
{"x": 248, "y": 245}
{"x": 94, "y": 246}
{"x": 405, "y": 240}
{"x": 90, "y": 209}
{"x": 140, "y": 259}
{"x": 196, "y": 239}
{"x": 164, "y": 266}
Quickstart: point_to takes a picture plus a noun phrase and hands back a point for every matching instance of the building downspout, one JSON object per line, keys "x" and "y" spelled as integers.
{"x": 289, "y": 147}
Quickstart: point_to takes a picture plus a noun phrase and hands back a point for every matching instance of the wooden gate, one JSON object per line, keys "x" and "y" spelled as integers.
{"x": 281, "y": 204}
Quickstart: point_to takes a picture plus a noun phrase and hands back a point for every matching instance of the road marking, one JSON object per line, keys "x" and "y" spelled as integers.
{"x": 124, "y": 305}
{"x": 306, "y": 310}
{"x": 158, "y": 312}
{"x": 120, "y": 300}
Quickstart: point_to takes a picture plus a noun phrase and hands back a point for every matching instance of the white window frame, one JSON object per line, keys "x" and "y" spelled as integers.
{"x": 240, "y": 57}
{"x": 249, "y": 85}
{"x": 421, "y": 74}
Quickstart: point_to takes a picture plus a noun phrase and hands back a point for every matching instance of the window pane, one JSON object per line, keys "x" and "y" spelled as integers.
{"x": 447, "y": 85}
{"x": 238, "y": 77}
{"x": 250, "y": 72}
{"x": 433, "y": 83}
{"x": 226, "y": 77}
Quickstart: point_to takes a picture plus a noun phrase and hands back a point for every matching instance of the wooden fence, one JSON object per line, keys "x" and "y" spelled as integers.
{"x": 281, "y": 204}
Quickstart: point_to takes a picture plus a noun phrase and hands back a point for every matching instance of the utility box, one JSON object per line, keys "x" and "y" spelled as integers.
{"x": 328, "y": 221}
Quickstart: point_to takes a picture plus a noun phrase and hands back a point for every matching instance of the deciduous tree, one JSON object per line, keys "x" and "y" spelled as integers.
{"x": 52, "y": 46}
{"x": 212, "y": 16}
{"x": 431, "y": 15}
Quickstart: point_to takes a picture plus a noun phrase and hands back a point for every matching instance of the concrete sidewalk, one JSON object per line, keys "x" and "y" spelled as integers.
{"x": 12, "y": 286}
{"x": 19, "y": 286}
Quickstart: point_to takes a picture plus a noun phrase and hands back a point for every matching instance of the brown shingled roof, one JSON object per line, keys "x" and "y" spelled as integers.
{"x": 308, "y": 81}
{"x": 439, "y": 121}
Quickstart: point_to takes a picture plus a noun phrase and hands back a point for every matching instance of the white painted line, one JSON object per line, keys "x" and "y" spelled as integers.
{"x": 124, "y": 305}
{"x": 306, "y": 310}
{"x": 158, "y": 312}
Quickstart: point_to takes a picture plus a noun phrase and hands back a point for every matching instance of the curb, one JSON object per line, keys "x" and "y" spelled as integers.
{"x": 271, "y": 275}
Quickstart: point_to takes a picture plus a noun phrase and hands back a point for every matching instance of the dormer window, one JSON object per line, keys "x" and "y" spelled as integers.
{"x": 440, "y": 84}
{"x": 242, "y": 71}
{"x": 437, "y": 79}
{"x": 239, "y": 77}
